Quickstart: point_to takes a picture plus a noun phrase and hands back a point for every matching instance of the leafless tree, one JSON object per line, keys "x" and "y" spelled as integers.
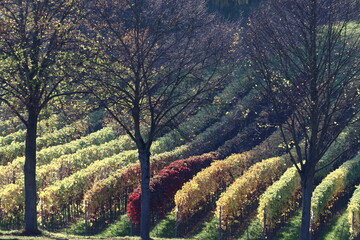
{"x": 36, "y": 55}
{"x": 154, "y": 62}
{"x": 306, "y": 53}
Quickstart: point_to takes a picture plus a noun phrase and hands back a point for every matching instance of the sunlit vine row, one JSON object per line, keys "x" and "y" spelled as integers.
{"x": 166, "y": 183}
{"x": 281, "y": 198}
{"x": 212, "y": 180}
{"x": 66, "y": 165}
{"x": 70, "y": 190}
{"x": 61, "y": 136}
{"x": 119, "y": 184}
{"x": 45, "y": 126}
{"x": 247, "y": 189}
{"x": 353, "y": 212}
{"x": 10, "y": 125}
{"x": 332, "y": 187}
{"x": 11, "y": 201}
{"x": 18, "y": 136}
{"x": 13, "y": 170}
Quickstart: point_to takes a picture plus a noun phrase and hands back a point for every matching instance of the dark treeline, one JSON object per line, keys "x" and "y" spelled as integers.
{"x": 233, "y": 9}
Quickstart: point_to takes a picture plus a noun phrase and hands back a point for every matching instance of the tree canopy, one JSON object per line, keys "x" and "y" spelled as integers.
{"x": 307, "y": 55}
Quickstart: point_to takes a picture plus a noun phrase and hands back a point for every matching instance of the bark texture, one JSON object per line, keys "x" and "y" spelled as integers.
{"x": 144, "y": 157}
{"x": 30, "y": 176}
{"x": 307, "y": 190}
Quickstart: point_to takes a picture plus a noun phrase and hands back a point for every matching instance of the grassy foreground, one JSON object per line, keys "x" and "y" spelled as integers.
{"x": 16, "y": 235}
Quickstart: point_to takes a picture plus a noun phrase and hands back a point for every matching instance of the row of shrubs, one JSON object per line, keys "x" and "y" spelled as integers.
{"x": 69, "y": 192}
{"x": 332, "y": 187}
{"x": 12, "y": 171}
{"x": 282, "y": 197}
{"x": 122, "y": 182}
{"x": 67, "y": 165}
{"x": 166, "y": 183}
{"x": 353, "y": 212}
{"x": 10, "y": 125}
{"x": 240, "y": 196}
{"x": 45, "y": 126}
{"x": 208, "y": 183}
{"x": 61, "y": 136}
{"x": 156, "y": 146}
{"x": 64, "y": 193}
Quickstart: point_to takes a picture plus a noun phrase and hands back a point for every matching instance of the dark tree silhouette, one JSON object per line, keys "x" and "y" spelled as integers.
{"x": 306, "y": 53}
{"x": 36, "y": 54}
{"x": 153, "y": 62}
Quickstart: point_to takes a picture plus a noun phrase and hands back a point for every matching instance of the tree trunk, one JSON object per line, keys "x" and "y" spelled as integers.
{"x": 144, "y": 157}
{"x": 30, "y": 176}
{"x": 307, "y": 190}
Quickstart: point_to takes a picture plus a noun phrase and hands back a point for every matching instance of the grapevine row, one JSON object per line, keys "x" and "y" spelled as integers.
{"x": 212, "y": 180}
{"x": 166, "y": 183}
{"x": 10, "y": 172}
{"x": 18, "y": 136}
{"x": 208, "y": 115}
{"x": 353, "y": 211}
{"x": 10, "y": 126}
{"x": 64, "y": 166}
{"x": 61, "y": 136}
{"x": 11, "y": 202}
{"x": 333, "y": 185}
{"x": 120, "y": 183}
{"x": 281, "y": 198}
{"x": 244, "y": 192}
{"x": 45, "y": 126}
{"x": 69, "y": 191}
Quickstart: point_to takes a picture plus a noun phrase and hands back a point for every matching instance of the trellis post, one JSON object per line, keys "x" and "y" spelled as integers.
{"x": 220, "y": 230}
{"x": 265, "y": 229}
{"x": 42, "y": 214}
{"x": 176, "y": 221}
{"x": 352, "y": 221}
{"x": 312, "y": 224}
{"x": 342, "y": 229}
{"x": 86, "y": 217}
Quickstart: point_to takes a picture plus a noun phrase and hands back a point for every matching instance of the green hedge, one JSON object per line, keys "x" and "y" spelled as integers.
{"x": 353, "y": 211}
{"x": 280, "y": 198}
{"x": 61, "y": 136}
{"x": 333, "y": 186}
{"x": 13, "y": 170}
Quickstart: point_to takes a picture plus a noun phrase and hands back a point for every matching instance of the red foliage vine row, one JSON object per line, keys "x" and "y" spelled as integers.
{"x": 166, "y": 183}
